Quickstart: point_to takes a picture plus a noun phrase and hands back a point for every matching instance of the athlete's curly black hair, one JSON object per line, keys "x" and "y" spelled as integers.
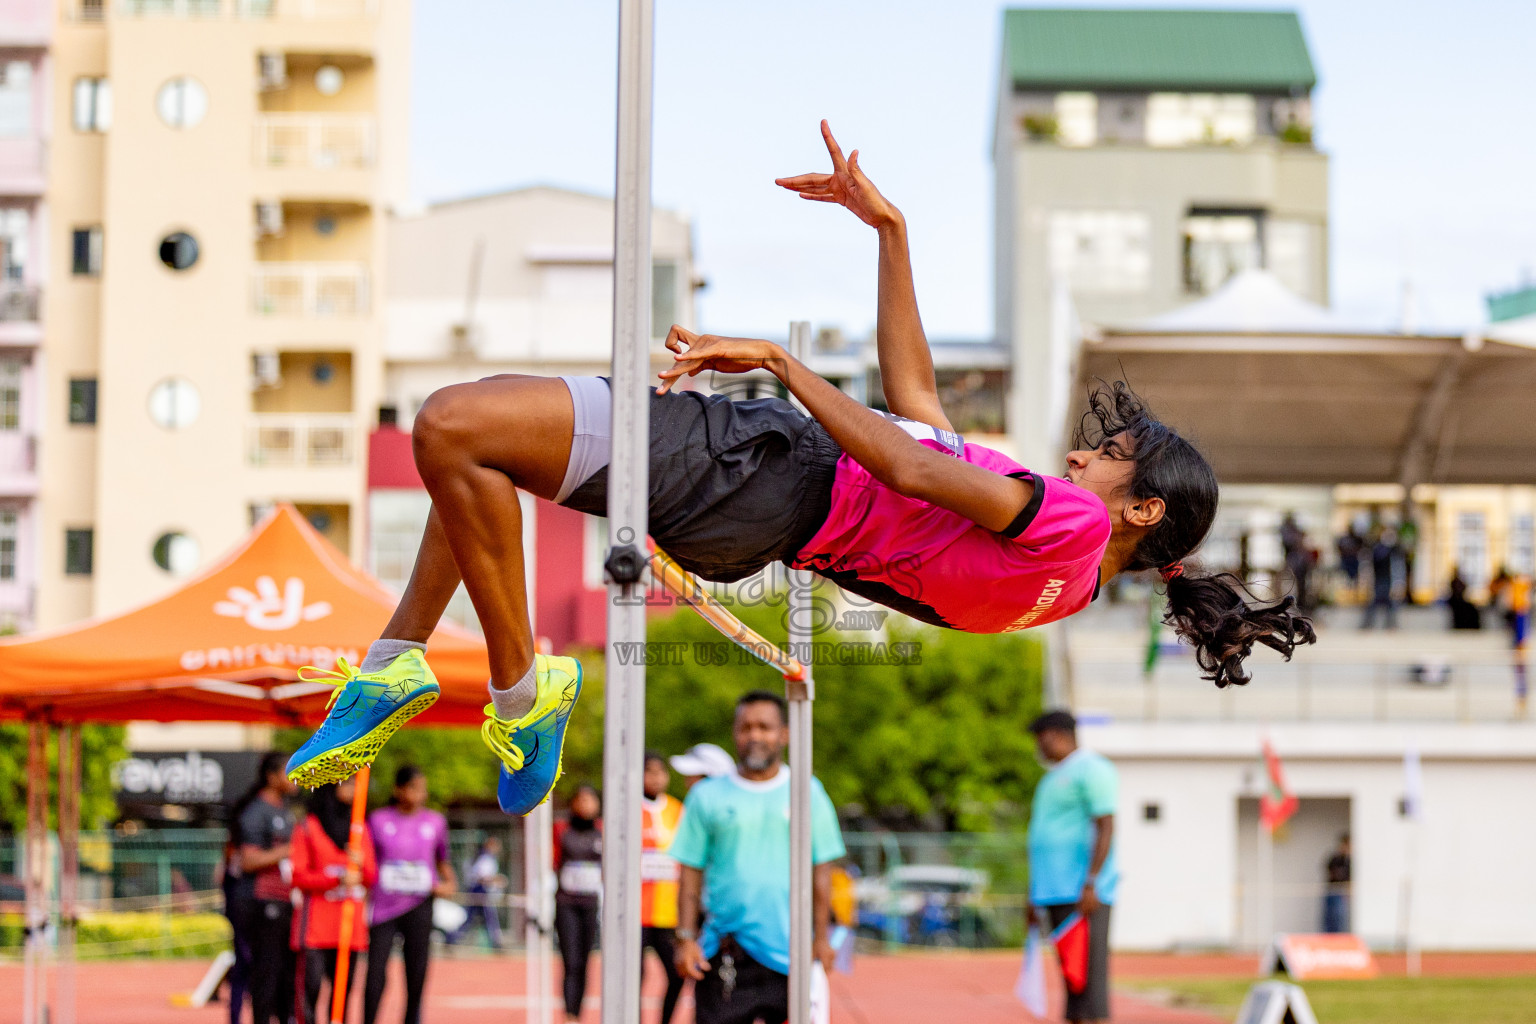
{"x": 1213, "y": 611}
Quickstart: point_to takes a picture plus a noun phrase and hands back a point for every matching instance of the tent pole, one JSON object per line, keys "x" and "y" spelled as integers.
{"x": 33, "y": 977}
{"x": 349, "y": 909}
{"x": 628, "y": 478}
{"x": 69, "y": 866}
{"x": 800, "y": 693}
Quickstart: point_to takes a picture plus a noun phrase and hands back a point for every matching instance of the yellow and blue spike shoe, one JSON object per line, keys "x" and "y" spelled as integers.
{"x": 530, "y": 747}
{"x": 364, "y": 713}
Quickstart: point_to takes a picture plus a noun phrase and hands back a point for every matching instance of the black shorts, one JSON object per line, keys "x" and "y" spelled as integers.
{"x": 734, "y": 486}
{"x": 1093, "y": 1002}
{"x": 757, "y": 992}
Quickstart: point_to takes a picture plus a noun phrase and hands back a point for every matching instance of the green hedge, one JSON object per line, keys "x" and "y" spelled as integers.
{"x": 136, "y": 933}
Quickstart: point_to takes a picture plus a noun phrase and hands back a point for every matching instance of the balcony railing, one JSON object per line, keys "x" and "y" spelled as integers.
{"x": 322, "y": 141}
{"x": 19, "y": 303}
{"x": 310, "y": 289}
{"x": 317, "y": 10}
{"x": 308, "y": 439}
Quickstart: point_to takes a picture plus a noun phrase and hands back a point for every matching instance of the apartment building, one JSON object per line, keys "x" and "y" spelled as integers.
{"x": 204, "y": 247}
{"x": 513, "y": 282}
{"x": 1143, "y": 157}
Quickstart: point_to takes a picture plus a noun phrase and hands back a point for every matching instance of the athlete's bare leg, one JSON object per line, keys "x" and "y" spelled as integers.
{"x": 475, "y": 445}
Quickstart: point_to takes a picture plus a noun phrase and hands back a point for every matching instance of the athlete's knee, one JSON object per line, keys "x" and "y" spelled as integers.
{"x": 444, "y": 422}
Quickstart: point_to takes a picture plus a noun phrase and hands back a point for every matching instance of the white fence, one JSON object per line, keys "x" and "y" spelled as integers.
{"x": 310, "y": 289}
{"x": 309, "y": 439}
{"x": 321, "y": 141}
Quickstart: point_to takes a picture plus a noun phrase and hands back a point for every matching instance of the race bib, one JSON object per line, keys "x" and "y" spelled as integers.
{"x": 405, "y": 877}
{"x": 927, "y": 432}
{"x": 582, "y": 878}
{"x": 658, "y": 866}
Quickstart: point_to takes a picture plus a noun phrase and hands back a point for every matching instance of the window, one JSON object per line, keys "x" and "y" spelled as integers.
{"x": 174, "y": 403}
{"x": 10, "y": 394}
{"x": 1179, "y": 119}
{"x": 93, "y": 104}
{"x": 82, "y": 400}
{"x": 1522, "y": 544}
{"x": 79, "y": 551}
{"x": 182, "y": 102}
{"x": 1101, "y": 250}
{"x": 92, "y": 10}
{"x": 1218, "y": 244}
{"x": 15, "y": 99}
{"x": 178, "y": 250}
{"x": 663, "y": 297}
{"x": 9, "y": 529}
{"x": 15, "y": 240}
{"x": 85, "y": 250}
{"x": 1151, "y": 812}
{"x": 1077, "y": 118}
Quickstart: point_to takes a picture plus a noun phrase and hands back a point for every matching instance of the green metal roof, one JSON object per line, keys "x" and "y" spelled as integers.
{"x": 1176, "y": 51}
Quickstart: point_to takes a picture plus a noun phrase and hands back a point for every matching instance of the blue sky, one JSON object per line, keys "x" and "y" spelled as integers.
{"x": 1426, "y": 109}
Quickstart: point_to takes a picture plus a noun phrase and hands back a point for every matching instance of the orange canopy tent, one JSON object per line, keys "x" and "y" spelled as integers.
{"x": 227, "y": 645}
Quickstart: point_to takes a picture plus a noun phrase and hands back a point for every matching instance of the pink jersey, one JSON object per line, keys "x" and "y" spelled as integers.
{"x": 937, "y": 566}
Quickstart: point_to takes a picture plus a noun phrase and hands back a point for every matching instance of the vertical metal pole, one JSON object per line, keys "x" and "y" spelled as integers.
{"x": 538, "y": 829}
{"x": 628, "y": 485}
{"x": 69, "y": 866}
{"x": 800, "y": 694}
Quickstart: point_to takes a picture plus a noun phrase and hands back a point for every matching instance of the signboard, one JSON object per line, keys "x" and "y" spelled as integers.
{"x": 1276, "y": 1002}
{"x": 1307, "y": 957}
{"x": 189, "y": 778}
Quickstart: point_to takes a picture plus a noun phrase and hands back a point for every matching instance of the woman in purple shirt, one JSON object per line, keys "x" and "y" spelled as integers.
{"x": 412, "y": 847}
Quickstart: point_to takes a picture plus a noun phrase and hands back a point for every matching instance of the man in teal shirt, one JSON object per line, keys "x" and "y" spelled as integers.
{"x": 734, "y": 839}
{"x": 1072, "y": 865}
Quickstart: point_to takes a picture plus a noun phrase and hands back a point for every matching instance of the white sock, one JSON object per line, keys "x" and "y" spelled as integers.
{"x": 382, "y": 652}
{"x": 516, "y": 700}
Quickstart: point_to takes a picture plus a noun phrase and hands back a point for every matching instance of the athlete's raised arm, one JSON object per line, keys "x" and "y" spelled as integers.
{"x": 906, "y": 366}
{"x": 893, "y": 456}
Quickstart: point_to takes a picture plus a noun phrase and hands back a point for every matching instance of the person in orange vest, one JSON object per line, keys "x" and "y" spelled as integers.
{"x": 661, "y": 813}
{"x": 327, "y": 878}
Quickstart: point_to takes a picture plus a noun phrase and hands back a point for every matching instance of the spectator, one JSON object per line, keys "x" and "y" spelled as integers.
{"x": 1072, "y": 865}
{"x": 1336, "y": 875}
{"x": 734, "y": 840}
{"x": 486, "y": 883}
{"x": 1350, "y": 546}
{"x": 579, "y": 866}
{"x": 238, "y": 887}
{"x": 1385, "y": 558}
{"x": 1298, "y": 559}
{"x": 328, "y": 876}
{"x": 659, "y": 874}
{"x": 412, "y": 847}
{"x": 265, "y": 845}
{"x": 702, "y": 761}
{"x": 1464, "y": 614}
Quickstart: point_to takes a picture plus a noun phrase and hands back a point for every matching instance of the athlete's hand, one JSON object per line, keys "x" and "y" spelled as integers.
{"x": 690, "y": 960}
{"x": 694, "y": 353}
{"x": 847, "y": 185}
{"x": 822, "y": 950}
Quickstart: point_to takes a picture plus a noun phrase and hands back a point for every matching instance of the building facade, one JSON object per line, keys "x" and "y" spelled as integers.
{"x": 212, "y": 251}
{"x": 1142, "y": 158}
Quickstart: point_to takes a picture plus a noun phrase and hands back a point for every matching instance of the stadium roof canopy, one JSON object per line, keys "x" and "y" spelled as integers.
{"x": 1275, "y": 389}
{"x": 1157, "y": 51}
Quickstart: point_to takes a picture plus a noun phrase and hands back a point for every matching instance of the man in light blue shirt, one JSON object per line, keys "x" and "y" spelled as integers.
{"x": 734, "y": 840}
{"x": 1072, "y": 866}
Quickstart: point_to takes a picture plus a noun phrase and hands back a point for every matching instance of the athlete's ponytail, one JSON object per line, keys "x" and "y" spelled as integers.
{"x": 1211, "y": 612}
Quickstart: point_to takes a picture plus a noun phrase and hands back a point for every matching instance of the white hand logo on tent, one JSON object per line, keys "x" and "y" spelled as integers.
{"x": 270, "y": 609}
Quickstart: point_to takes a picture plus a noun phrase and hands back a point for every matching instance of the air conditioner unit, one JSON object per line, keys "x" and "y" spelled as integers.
{"x": 273, "y": 72}
{"x": 269, "y": 218}
{"x": 266, "y": 370}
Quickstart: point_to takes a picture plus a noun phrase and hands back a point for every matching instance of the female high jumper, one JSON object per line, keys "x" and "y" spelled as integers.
{"x": 898, "y": 509}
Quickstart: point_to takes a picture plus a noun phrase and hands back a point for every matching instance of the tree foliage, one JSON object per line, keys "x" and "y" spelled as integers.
{"x": 101, "y": 746}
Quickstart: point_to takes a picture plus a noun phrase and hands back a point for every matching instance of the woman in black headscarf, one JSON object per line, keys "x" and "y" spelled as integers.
{"x": 328, "y": 877}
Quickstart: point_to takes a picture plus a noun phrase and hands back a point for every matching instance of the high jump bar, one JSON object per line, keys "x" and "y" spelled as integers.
{"x": 692, "y": 593}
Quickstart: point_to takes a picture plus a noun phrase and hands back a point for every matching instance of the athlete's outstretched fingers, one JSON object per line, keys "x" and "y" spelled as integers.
{"x": 818, "y": 197}
{"x": 838, "y": 163}
{"x": 679, "y": 339}
{"x": 803, "y": 181}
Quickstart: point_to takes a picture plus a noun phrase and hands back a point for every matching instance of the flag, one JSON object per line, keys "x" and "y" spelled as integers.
{"x": 1071, "y": 939}
{"x": 1030, "y": 988}
{"x": 1413, "y": 785}
{"x": 1278, "y": 803}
